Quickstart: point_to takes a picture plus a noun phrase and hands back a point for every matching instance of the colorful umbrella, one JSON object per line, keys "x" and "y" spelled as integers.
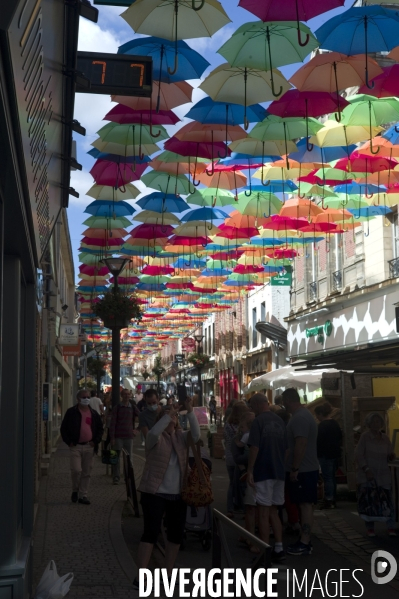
{"x": 104, "y": 192}
{"x": 125, "y": 116}
{"x": 290, "y": 10}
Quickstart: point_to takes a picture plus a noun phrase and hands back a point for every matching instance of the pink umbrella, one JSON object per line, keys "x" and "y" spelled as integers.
{"x": 311, "y": 178}
{"x": 124, "y": 115}
{"x": 103, "y": 242}
{"x": 115, "y": 174}
{"x": 193, "y": 241}
{"x": 230, "y": 232}
{"x": 157, "y": 270}
{"x": 194, "y": 148}
{"x": 385, "y": 85}
{"x": 290, "y": 10}
{"x": 98, "y": 271}
{"x": 281, "y": 223}
{"x": 126, "y": 280}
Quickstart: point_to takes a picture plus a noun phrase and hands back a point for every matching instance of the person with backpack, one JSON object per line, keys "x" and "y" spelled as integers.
{"x": 121, "y": 430}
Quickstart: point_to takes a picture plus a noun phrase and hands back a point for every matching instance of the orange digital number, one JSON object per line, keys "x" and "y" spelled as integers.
{"x": 103, "y": 69}
{"x": 141, "y": 67}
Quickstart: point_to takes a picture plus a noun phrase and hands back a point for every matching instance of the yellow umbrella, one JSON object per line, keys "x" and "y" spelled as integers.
{"x": 156, "y": 218}
{"x": 104, "y": 192}
{"x": 254, "y": 147}
{"x": 278, "y": 173}
{"x": 336, "y": 134}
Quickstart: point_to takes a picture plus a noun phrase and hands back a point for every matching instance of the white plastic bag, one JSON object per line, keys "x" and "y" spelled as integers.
{"x": 52, "y": 586}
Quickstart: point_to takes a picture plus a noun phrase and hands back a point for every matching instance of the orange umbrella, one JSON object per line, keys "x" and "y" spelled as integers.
{"x": 300, "y": 208}
{"x": 332, "y": 215}
{"x": 332, "y": 72}
{"x": 223, "y": 179}
{"x": 207, "y": 133}
{"x": 381, "y": 178}
{"x": 244, "y": 221}
{"x": 178, "y": 168}
{"x": 104, "y": 233}
{"x": 385, "y": 148}
{"x": 394, "y": 54}
{"x": 171, "y": 96}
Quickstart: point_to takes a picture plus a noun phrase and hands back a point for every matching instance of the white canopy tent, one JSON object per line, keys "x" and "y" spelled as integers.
{"x": 289, "y": 376}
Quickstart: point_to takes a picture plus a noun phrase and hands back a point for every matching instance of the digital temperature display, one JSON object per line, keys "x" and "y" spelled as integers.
{"x": 115, "y": 74}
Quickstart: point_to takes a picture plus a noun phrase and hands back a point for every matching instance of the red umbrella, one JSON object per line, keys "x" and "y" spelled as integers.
{"x": 361, "y": 163}
{"x": 98, "y": 271}
{"x": 232, "y": 255}
{"x": 281, "y": 223}
{"x": 290, "y": 10}
{"x": 194, "y": 148}
{"x": 147, "y": 231}
{"x": 295, "y": 103}
{"x": 230, "y": 232}
{"x": 244, "y": 269}
{"x": 103, "y": 242}
{"x": 115, "y": 174}
{"x": 124, "y": 115}
{"x": 158, "y": 270}
{"x": 193, "y": 241}
{"x": 311, "y": 178}
{"x": 385, "y": 85}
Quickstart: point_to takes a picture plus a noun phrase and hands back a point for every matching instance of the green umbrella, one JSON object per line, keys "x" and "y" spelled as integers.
{"x": 254, "y": 147}
{"x": 259, "y": 204}
{"x": 345, "y": 201}
{"x": 126, "y": 135}
{"x": 310, "y": 189}
{"x": 131, "y": 149}
{"x": 211, "y": 196}
{"x": 167, "y": 156}
{"x": 100, "y": 222}
{"x": 263, "y": 46}
{"x": 166, "y": 182}
{"x": 275, "y": 128}
{"x": 371, "y": 111}
{"x": 337, "y": 174}
{"x": 242, "y": 85}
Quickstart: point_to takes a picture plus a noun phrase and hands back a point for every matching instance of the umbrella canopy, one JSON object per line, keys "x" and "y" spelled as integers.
{"x": 211, "y": 197}
{"x": 295, "y": 103}
{"x": 258, "y": 204}
{"x": 385, "y": 85}
{"x": 336, "y": 134}
{"x": 166, "y": 182}
{"x": 255, "y": 147}
{"x": 125, "y": 116}
{"x": 289, "y": 10}
{"x": 109, "y": 209}
{"x": 334, "y": 71}
{"x": 219, "y": 113}
{"x": 176, "y": 20}
{"x": 104, "y": 192}
{"x": 116, "y": 175}
{"x": 157, "y": 218}
{"x": 198, "y": 149}
{"x": 161, "y": 202}
{"x": 242, "y": 85}
{"x": 171, "y": 95}
{"x": 263, "y": 46}
{"x": 361, "y": 30}
{"x": 223, "y": 180}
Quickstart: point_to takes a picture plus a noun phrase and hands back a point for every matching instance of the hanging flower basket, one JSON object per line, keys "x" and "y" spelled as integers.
{"x": 198, "y": 360}
{"x": 116, "y": 310}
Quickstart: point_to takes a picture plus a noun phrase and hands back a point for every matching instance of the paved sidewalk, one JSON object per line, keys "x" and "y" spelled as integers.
{"x": 85, "y": 540}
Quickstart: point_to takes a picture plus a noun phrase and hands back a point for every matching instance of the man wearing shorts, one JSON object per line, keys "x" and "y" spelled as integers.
{"x": 302, "y": 466}
{"x": 266, "y": 470}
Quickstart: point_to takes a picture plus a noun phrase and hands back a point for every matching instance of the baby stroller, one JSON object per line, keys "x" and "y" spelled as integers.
{"x": 199, "y": 519}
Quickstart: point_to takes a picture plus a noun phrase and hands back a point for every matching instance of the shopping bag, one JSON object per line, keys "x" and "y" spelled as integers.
{"x": 374, "y": 503}
{"x": 109, "y": 456}
{"x": 197, "y": 486}
{"x": 61, "y": 587}
{"x": 52, "y": 586}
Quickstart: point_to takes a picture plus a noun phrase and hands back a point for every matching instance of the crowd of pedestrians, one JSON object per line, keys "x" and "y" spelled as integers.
{"x": 276, "y": 457}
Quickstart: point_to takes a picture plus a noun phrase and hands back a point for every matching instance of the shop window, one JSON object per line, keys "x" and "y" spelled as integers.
{"x": 254, "y": 331}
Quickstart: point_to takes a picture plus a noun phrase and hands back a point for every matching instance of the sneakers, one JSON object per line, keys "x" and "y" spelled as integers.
{"x": 278, "y": 556}
{"x": 84, "y": 500}
{"x": 328, "y": 504}
{"x": 116, "y": 481}
{"x": 392, "y": 532}
{"x": 371, "y": 533}
{"x": 300, "y": 548}
{"x": 74, "y": 497}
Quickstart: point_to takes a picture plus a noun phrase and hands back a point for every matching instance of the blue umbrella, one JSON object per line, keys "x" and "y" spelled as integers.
{"x": 276, "y": 187}
{"x": 151, "y": 286}
{"x": 239, "y": 158}
{"x": 370, "y": 211}
{"x": 191, "y": 64}
{"x": 205, "y": 214}
{"x": 119, "y": 159}
{"x": 392, "y": 135}
{"x": 323, "y": 155}
{"x": 361, "y": 30}
{"x": 188, "y": 262}
{"x": 91, "y": 288}
{"x": 216, "y": 272}
{"x": 207, "y": 111}
{"x": 265, "y": 242}
{"x": 359, "y": 189}
{"x": 160, "y": 202}
{"x": 109, "y": 209}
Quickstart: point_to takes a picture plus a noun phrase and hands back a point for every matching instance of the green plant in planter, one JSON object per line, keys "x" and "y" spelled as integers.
{"x": 145, "y": 374}
{"x": 116, "y": 307}
{"x": 199, "y": 360}
{"x": 96, "y": 367}
{"x": 158, "y": 368}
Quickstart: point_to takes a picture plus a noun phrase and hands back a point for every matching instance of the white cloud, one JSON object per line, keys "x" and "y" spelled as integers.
{"x": 94, "y": 39}
{"x": 211, "y": 44}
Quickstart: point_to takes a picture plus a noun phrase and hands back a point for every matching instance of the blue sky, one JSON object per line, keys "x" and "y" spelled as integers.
{"x": 106, "y": 36}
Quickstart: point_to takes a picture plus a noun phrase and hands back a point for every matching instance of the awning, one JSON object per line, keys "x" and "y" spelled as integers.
{"x": 289, "y": 376}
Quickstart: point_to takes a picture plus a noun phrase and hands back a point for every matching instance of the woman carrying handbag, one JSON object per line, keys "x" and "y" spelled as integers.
{"x": 162, "y": 483}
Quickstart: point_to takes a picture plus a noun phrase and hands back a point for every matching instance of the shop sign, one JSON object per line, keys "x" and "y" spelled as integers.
{"x": 37, "y": 56}
{"x": 188, "y": 344}
{"x": 282, "y": 280}
{"x": 321, "y": 331}
{"x": 69, "y": 334}
{"x": 179, "y": 358}
{"x": 208, "y": 375}
{"x": 72, "y": 350}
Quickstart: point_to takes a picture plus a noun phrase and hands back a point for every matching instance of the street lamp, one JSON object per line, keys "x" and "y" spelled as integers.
{"x": 198, "y": 338}
{"x": 99, "y": 349}
{"x": 115, "y": 267}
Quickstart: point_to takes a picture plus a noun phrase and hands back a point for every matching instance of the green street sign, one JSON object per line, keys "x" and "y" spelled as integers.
{"x": 283, "y": 280}
{"x": 321, "y": 331}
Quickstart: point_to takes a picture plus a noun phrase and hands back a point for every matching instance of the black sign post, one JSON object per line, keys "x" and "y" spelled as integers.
{"x": 114, "y": 74}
